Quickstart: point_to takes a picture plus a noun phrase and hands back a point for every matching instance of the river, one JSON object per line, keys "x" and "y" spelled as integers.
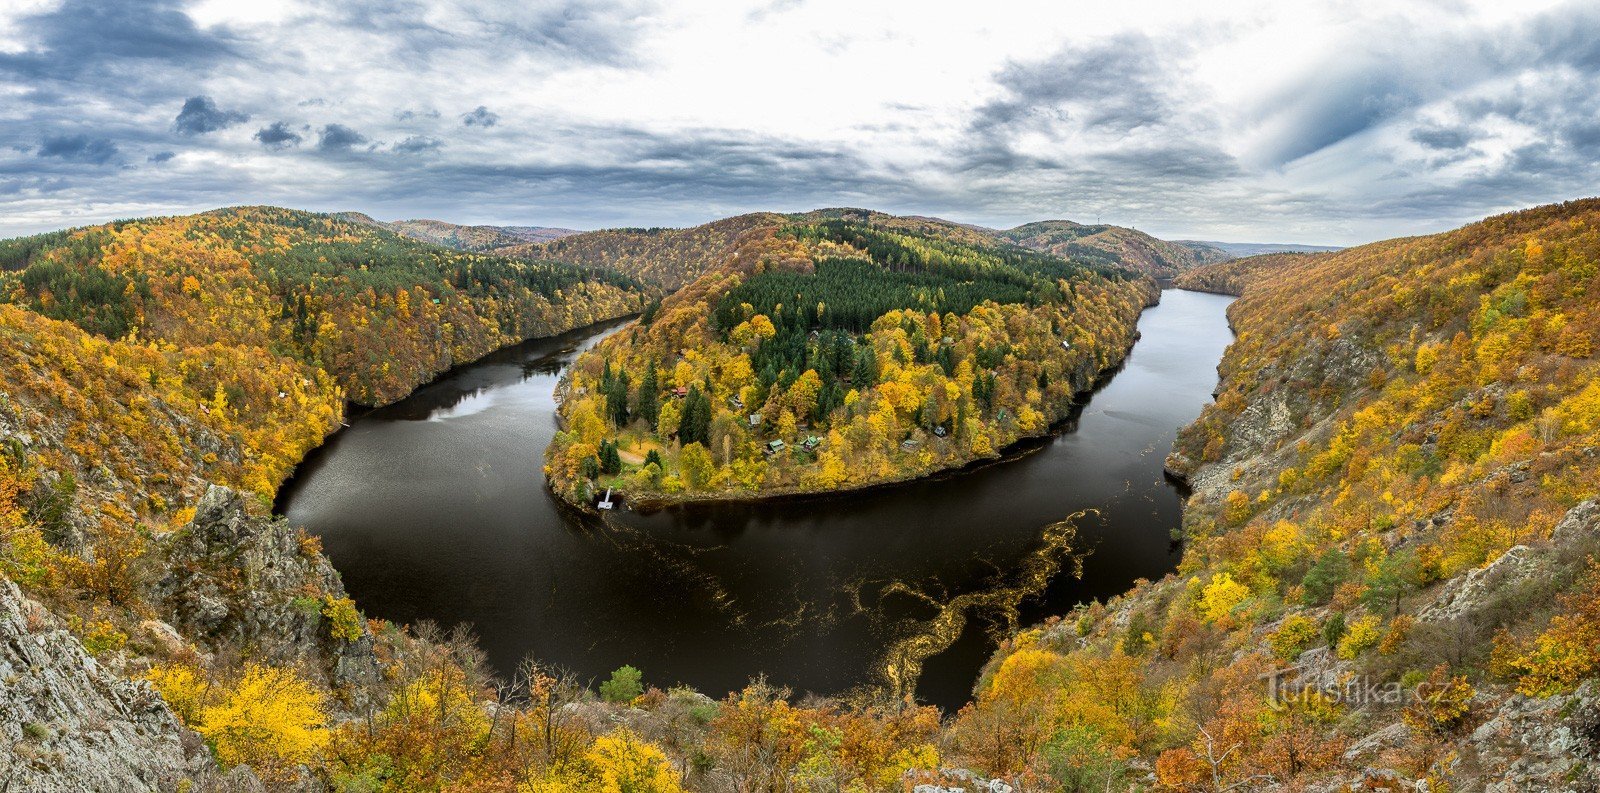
{"x": 435, "y": 508}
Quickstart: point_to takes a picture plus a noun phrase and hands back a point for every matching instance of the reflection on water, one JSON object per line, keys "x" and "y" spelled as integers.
{"x": 435, "y": 508}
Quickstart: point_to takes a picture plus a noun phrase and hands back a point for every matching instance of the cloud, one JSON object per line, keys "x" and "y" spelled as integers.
{"x": 201, "y": 115}
{"x": 79, "y": 148}
{"x": 338, "y": 137}
{"x": 1255, "y": 120}
{"x": 480, "y": 117}
{"x": 1117, "y": 84}
{"x": 109, "y": 38}
{"x": 1438, "y": 137}
{"x": 557, "y": 31}
{"x": 418, "y": 144}
{"x": 278, "y": 135}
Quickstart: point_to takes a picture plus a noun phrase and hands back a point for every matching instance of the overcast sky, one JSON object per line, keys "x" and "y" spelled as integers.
{"x": 1250, "y": 121}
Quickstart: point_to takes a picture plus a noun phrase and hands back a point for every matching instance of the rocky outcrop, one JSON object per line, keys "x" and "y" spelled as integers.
{"x": 67, "y": 724}
{"x": 255, "y": 585}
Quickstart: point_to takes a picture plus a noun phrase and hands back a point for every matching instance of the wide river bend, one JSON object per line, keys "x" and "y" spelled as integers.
{"x": 435, "y": 508}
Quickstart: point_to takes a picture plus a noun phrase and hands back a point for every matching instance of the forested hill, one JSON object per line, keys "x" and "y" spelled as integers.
{"x": 1395, "y": 491}
{"x": 475, "y": 239}
{"x": 837, "y": 349}
{"x": 669, "y": 258}
{"x": 378, "y": 312}
{"x": 1112, "y": 245}
{"x": 674, "y": 257}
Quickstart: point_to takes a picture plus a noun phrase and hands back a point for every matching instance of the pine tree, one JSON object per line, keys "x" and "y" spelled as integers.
{"x": 648, "y": 403}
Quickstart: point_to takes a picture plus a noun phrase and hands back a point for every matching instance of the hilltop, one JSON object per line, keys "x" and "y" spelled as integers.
{"x": 838, "y": 349}
{"x": 474, "y": 239}
{"x": 1111, "y": 245}
{"x": 672, "y": 258}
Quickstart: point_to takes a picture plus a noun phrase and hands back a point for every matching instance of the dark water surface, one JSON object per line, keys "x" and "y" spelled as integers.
{"x": 435, "y": 508}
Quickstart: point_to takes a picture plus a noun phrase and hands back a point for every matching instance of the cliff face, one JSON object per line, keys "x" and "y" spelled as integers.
{"x": 69, "y": 724}
{"x": 249, "y": 584}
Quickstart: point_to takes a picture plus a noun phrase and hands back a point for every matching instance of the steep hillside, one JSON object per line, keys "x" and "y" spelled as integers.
{"x": 669, "y": 258}
{"x": 380, "y": 313}
{"x": 1230, "y": 277}
{"x": 838, "y": 349}
{"x": 1389, "y": 579}
{"x": 1110, "y": 245}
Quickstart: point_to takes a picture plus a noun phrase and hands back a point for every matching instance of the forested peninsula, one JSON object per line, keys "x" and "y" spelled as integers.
{"x": 840, "y": 349}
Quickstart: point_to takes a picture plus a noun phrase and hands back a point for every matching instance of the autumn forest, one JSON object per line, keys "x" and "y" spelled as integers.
{"x": 1395, "y": 484}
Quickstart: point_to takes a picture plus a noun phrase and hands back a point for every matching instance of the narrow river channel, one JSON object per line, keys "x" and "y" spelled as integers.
{"x": 435, "y": 508}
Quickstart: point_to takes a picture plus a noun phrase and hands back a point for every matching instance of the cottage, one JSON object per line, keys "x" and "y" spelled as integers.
{"x": 774, "y": 446}
{"x": 736, "y": 403}
{"x": 680, "y": 392}
{"x": 811, "y": 443}
{"x": 754, "y": 420}
{"x": 939, "y": 431}
{"x": 910, "y": 444}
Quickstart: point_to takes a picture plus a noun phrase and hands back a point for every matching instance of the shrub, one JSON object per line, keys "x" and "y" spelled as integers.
{"x": 1324, "y": 577}
{"x": 344, "y": 622}
{"x": 1293, "y": 636}
{"x": 624, "y": 686}
{"x": 1360, "y": 635}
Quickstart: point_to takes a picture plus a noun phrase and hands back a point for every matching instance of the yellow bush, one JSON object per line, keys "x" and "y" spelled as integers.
{"x": 344, "y": 622}
{"x": 623, "y": 763}
{"x": 271, "y": 720}
{"x": 183, "y": 686}
{"x": 1359, "y": 635}
{"x": 1293, "y": 636}
{"x": 1221, "y": 597}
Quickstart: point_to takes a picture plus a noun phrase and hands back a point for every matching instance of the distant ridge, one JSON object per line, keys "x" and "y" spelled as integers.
{"x": 1241, "y": 249}
{"x": 473, "y": 239}
{"x": 1114, "y": 245}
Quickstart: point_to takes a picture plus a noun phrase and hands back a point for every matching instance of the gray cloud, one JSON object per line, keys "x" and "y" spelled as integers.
{"x": 1438, "y": 137}
{"x": 201, "y": 115}
{"x": 108, "y": 37}
{"x": 278, "y": 135}
{"x": 480, "y": 117}
{"x": 418, "y": 144}
{"x": 78, "y": 148}
{"x": 338, "y": 137}
{"x": 161, "y": 157}
{"x": 1117, "y": 84}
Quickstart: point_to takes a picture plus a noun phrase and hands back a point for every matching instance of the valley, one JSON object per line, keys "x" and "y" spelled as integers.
{"x": 1395, "y": 483}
